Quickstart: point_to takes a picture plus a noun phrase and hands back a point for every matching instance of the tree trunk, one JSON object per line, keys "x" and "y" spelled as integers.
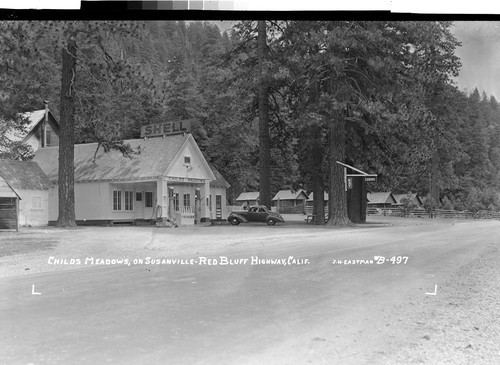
{"x": 356, "y": 200}
{"x": 337, "y": 208}
{"x": 435, "y": 179}
{"x": 67, "y": 138}
{"x": 264, "y": 138}
{"x": 317, "y": 179}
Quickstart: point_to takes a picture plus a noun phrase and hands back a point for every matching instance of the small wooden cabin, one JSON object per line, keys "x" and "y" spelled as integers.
{"x": 381, "y": 200}
{"x": 290, "y": 198}
{"x": 9, "y": 206}
{"x": 414, "y": 196}
{"x": 249, "y": 198}
{"x": 32, "y": 186}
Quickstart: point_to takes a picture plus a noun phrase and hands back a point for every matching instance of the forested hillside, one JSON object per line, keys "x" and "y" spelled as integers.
{"x": 385, "y": 87}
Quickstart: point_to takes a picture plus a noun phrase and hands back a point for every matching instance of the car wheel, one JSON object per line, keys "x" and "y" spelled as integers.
{"x": 271, "y": 222}
{"x": 235, "y": 221}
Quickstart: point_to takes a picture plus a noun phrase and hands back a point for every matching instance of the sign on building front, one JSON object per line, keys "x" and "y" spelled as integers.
{"x": 166, "y": 128}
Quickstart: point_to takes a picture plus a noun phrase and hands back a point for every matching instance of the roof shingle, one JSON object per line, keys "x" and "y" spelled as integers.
{"x": 25, "y": 175}
{"x": 155, "y": 156}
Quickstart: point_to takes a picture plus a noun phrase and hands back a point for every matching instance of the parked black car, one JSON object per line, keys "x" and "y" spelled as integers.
{"x": 255, "y": 213}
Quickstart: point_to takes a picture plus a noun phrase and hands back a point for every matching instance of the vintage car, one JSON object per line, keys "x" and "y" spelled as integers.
{"x": 255, "y": 213}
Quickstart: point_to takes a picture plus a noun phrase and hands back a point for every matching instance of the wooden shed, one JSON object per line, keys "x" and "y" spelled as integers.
{"x": 9, "y": 206}
{"x": 32, "y": 186}
{"x": 248, "y": 198}
{"x": 413, "y": 196}
{"x": 381, "y": 200}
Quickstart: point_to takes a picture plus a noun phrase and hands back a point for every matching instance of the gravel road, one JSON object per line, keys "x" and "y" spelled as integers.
{"x": 461, "y": 325}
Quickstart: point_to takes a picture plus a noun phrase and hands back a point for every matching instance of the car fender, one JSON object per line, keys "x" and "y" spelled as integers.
{"x": 277, "y": 219}
{"x": 239, "y": 217}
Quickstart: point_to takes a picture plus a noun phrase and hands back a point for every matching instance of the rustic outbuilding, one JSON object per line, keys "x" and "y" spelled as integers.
{"x": 168, "y": 178}
{"x": 31, "y": 185}
{"x": 414, "y": 197}
{"x": 9, "y": 206}
{"x": 290, "y": 201}
{"x": 249, "y": 198}
{"x": 310, "y": 200}
{"x": 381, "y": 200}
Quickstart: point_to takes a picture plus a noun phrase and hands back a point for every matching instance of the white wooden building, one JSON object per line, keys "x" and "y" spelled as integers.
{"x": 41, "y": 130}
{"x": 168, "y": 177}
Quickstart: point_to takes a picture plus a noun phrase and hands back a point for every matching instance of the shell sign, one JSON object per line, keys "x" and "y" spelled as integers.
{"x": 167, "y": 128}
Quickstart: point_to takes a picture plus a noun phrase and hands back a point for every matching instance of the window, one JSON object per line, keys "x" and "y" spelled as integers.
{"x": 187, "y": 199}
{"x": 148, "y": 199}
{"x": 36, "y": 202}
{"x": 129, "y": 200}
{"x": 117, "y": 200}
{"x": 138, "y": 197}
{"x": 187, "y": 160}
{"x": 47, "y": 138}
{"x": 210, "y": 204}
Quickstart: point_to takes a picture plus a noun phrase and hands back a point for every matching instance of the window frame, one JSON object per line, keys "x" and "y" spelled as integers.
{"x": 117, "y": 200}
{"x": 128, "y": 200}
{"x": 146, "y": 194}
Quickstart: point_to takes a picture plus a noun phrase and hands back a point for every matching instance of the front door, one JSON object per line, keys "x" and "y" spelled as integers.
{"x": 139, "y": 205}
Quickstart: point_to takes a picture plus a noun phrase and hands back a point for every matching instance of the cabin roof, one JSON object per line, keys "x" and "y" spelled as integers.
{"x": 249, "y": 195}
{"x": 26, "y": 175}
{"x": 381, "y": 198}
{"x": 290, "y": 195}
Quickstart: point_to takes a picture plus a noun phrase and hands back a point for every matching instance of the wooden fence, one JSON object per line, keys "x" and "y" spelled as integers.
{"x": 394, "y": 212}
{"x": 437, "y": 213}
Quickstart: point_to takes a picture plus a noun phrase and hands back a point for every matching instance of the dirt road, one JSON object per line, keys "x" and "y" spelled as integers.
{"x": 275, "y": 296}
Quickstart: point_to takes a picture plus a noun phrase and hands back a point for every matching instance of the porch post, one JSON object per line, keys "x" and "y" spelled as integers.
{"x": 162, "y": 198}
{"x": 205, "y": 204}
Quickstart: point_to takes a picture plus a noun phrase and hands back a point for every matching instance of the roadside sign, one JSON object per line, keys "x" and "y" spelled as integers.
{"x": 370, "y": 178}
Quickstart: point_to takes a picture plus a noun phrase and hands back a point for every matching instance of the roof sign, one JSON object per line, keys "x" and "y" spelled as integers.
{"x": 167, "y": 128}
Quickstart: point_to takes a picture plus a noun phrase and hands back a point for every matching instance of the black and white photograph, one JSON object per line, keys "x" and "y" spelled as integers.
{"x": 249, "y": 188}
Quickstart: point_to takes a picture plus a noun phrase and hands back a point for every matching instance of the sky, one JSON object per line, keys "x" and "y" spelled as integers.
{"x": 480, "y": 56}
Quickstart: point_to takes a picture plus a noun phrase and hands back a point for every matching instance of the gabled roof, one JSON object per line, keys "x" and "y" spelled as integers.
{"x": 219, "y": 179}
{"x": 249, "y": 195}
{"x": 26, "y": 175}
{"x": 415, "y": 196}
{"x": 6, "y": 191}
{"x": 311, "y": 196}
{"x": 290, "y": 195}
{"x": 154, "y": 159}
{"x": 381, "y": 198}
{"x": 33, "y": 119}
